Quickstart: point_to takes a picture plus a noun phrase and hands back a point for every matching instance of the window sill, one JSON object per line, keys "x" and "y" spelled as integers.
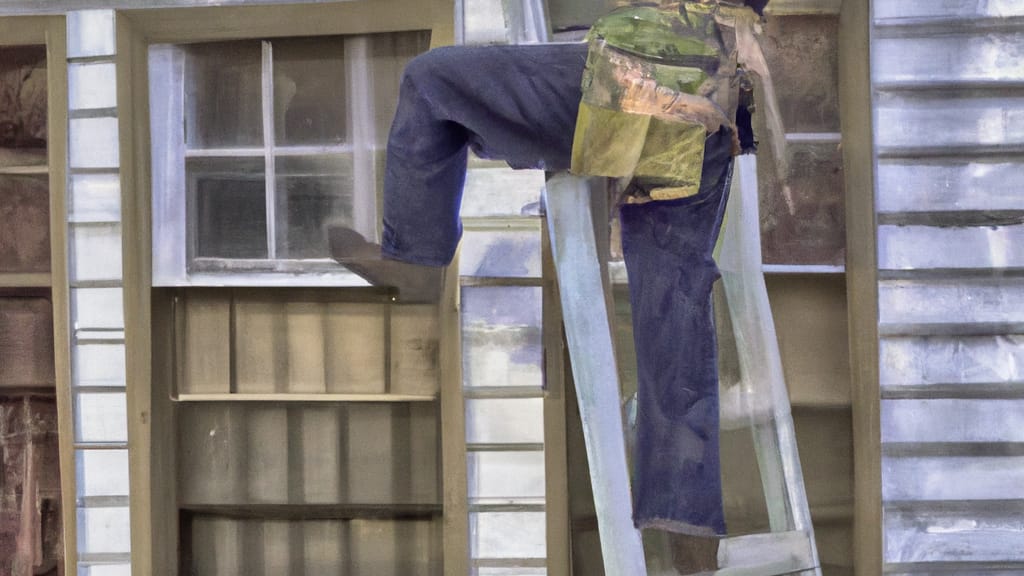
{"x": 335, "y": 279}
{"x": 286, "y": 397}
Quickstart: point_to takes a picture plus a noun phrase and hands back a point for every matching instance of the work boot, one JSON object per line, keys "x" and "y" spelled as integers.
{"x": 414, "y": 282}
{"x": 694, "y": 554}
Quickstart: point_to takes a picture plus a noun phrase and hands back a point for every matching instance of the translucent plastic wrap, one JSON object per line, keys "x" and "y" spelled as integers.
{"x": 759, "y": 399}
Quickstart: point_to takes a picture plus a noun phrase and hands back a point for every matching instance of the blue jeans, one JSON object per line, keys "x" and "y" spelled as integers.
{"x": 519, "y": 104}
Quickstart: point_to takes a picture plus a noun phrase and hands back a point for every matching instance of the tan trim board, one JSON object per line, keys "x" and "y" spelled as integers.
{"x": 803, "y": 7}
{"x": 23, "y": 30}
{"x": 54, "y": 32}
{"x": 862, "y": 282}
{"x": 133, "y": 126}
{"x": 453, "y": 432}
{"x": 17, "y": 280}
{"x": 235, "y": 22}
{"x": 556, "y": 459}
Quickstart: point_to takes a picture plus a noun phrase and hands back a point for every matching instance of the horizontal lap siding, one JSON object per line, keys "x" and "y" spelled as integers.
{"x": 949, "y": 117}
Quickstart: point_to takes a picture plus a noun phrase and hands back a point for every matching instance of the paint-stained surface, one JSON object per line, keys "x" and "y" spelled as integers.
{"x": 806, "y": 224}
{"x": 30, "y": 528}
{"x": 802, "y": 219}
{"x": 24, "y": 224}
{"x": 26, "y": 342}
{"x": 30, "y": 517}
{"x": 23, "y": 97}
{"x": 803, "y": 54}
{"x": 24, "y": 205}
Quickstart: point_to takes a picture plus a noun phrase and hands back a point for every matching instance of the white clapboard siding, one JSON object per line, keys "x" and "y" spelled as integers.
{"x": 961, "y": 534}
{"x": 961, "y": 361}
{"x": 949, "y": 131}
{"x": 952, "y": 420}
{"x": 977, "y": 247}
{"x": 951, "y": 301}
{"x": 911, "y": 186}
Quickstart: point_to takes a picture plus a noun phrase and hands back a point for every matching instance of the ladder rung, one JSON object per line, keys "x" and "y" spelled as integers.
{"x": 521, "y": 447}
{"x": 502, "y": 392}
{"x": 507, "y": 507}
{"x": 766, "y": 554}
{"x": 509, "y": 562}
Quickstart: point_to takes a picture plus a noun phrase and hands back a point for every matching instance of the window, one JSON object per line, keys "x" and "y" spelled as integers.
{"x": 260, "y": 146}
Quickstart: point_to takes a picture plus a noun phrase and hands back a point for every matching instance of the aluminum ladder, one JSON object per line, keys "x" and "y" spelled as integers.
{"x": 759, "y": 400}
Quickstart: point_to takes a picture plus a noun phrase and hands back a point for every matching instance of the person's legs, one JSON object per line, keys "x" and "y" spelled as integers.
{"x": 668, "y": 249}
{"x": 513, "y": 103}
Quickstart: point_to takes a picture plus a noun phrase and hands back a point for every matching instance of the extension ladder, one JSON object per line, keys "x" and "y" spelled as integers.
{"x": 759, "y": 401}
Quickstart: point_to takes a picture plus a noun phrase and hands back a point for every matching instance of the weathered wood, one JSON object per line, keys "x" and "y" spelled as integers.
{"x": 861, "y": 274}
{"x": 355, "y": 341}
{"x": 24, "y": 225}
{"x": 259, "y": 348}
{"x": 26, "y": 343}
{"x": 206, "y": 356}
{"x": 556, "y": 458}
{"x": 304, "y": 325}
{"x": 415, "y": 346}
{"x": 453, "y": 431}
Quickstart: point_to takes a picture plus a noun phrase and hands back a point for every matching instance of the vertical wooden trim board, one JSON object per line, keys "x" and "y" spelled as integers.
{"x": 453, "y": 431}
{"x": 862, "y": 281}
{"x": 133, "y": 124}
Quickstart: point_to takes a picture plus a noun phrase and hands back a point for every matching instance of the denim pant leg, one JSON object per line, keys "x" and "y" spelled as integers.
{"x": 512, "y": 103}
{"x": 668, "y": 248}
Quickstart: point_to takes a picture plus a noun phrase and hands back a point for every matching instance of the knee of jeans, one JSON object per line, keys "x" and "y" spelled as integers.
{"x": 427, "y": 65}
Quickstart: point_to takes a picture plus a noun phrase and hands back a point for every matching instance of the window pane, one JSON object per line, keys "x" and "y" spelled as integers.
{"x": 23, "y": 105}
{"x": 312, "y": 193}
{"x": 502, "y": 337}
{"x": 26, "y": 342}
{"x": 808, "y": 226}
{"x": 389, "y": 53}
{"x": 229, "y": 207}
{"x": 309, "y": 91}
{"x": 223, "y": 88}
{"x": 24, "y": 224}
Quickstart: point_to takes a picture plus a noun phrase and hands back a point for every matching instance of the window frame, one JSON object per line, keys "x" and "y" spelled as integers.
{"x": 174, "y": 266}
{"x": 175, "y": 188}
